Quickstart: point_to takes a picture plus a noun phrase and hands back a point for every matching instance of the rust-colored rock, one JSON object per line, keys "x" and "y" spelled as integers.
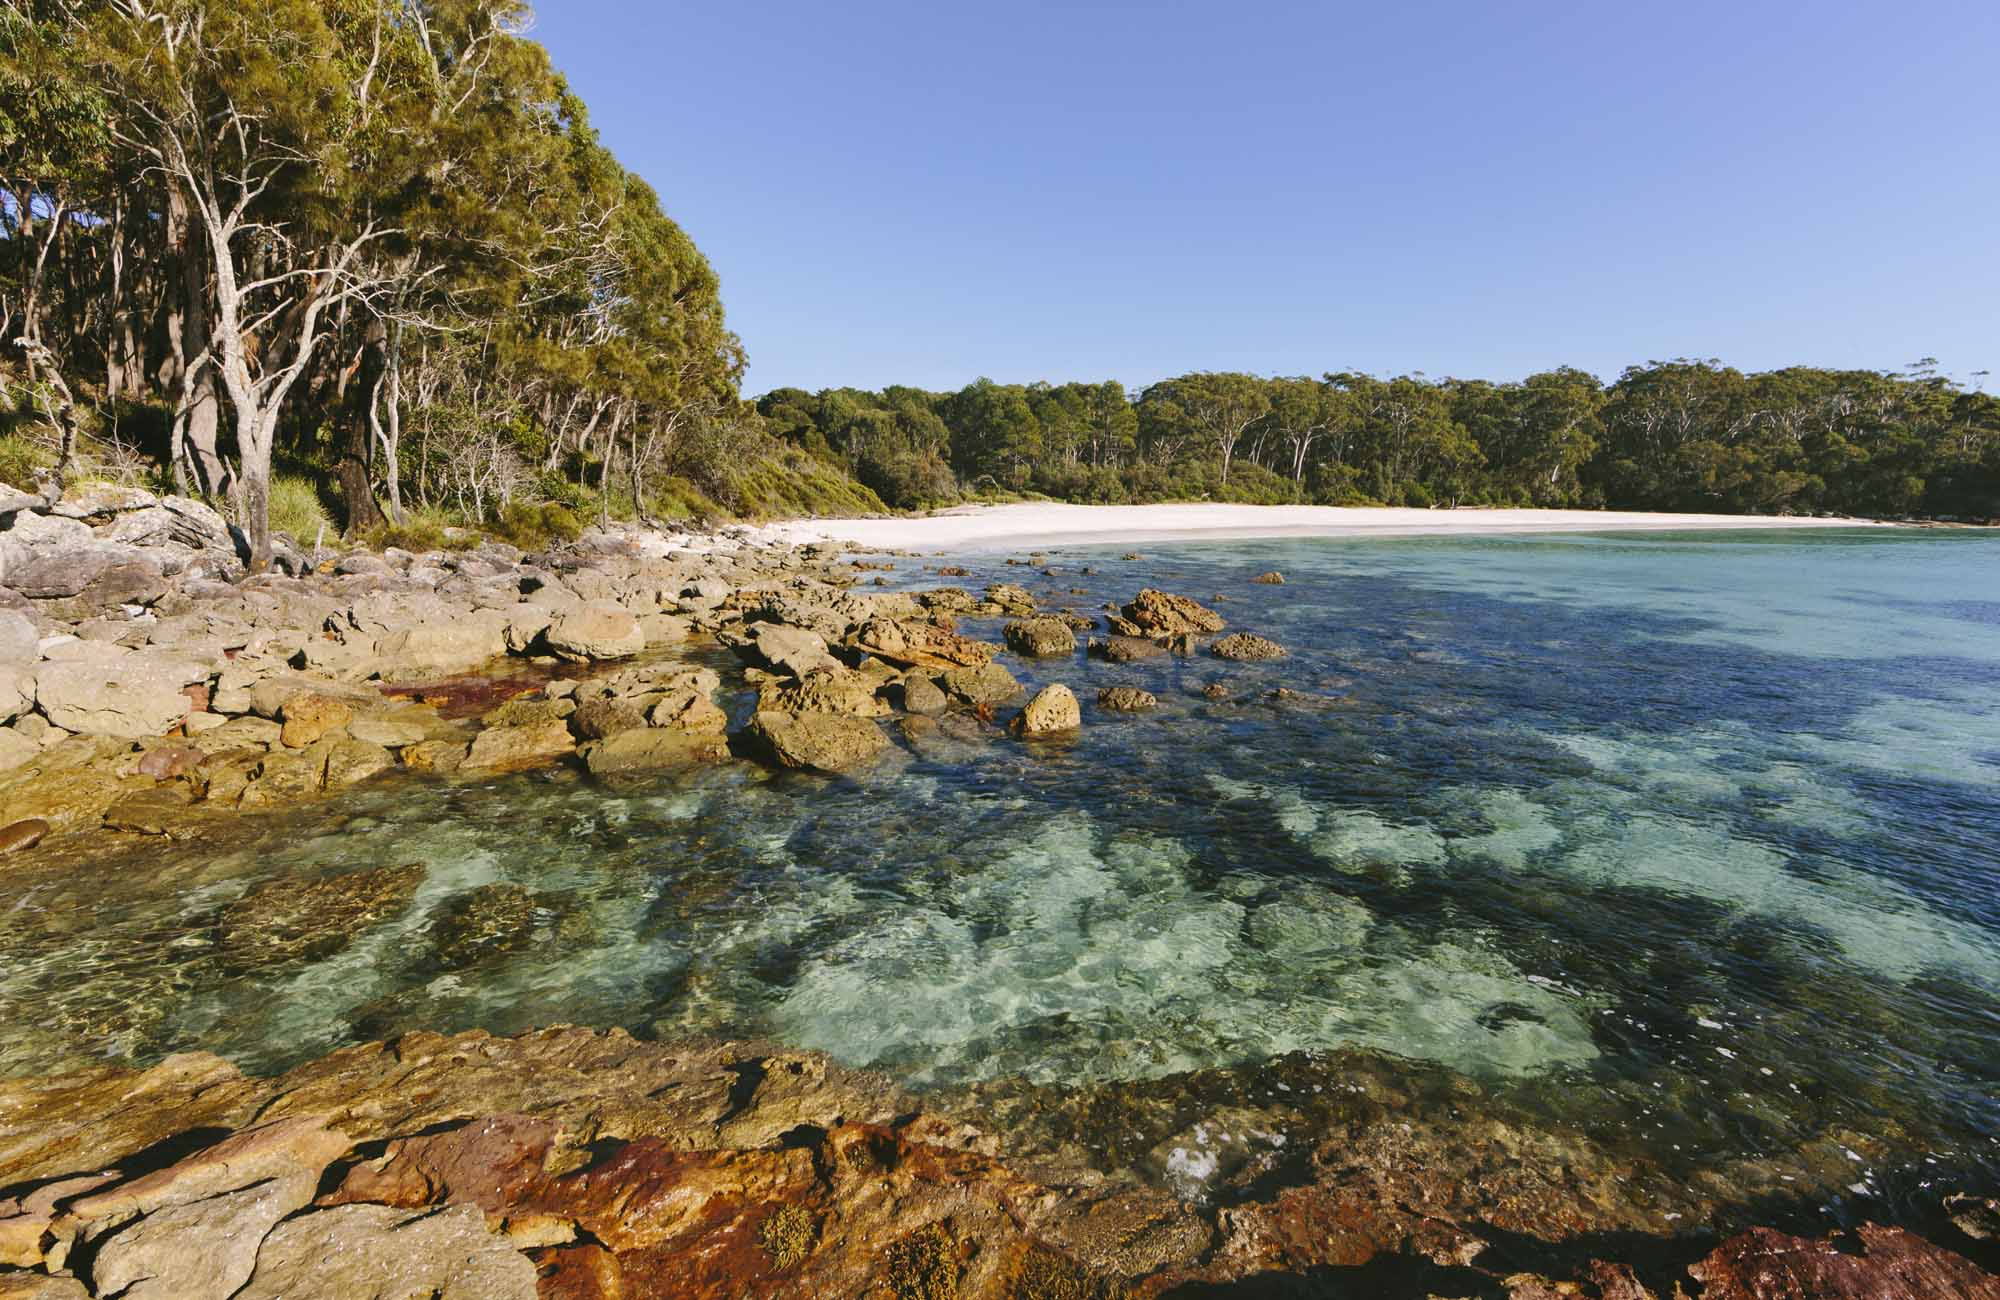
{"x": 1891, "y": 1264}
{"x": 1159, "y": 613}
{"x": 308, "y": 716}
{"x": 914, "y": 644}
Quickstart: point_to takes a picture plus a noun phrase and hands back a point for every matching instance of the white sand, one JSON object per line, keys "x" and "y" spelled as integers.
{"x": 974, "y": 528}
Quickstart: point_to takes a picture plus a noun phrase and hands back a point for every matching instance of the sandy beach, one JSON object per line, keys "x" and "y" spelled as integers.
{"x": 973, "y": 528}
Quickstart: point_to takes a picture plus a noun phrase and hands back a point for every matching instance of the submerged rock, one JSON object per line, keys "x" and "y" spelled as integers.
{"x": 1125, "y": 649}
{"x": 1271, "y": 579}
{"x": 21, "y": 836}
{"x": 597, "y": 630}
{"x": 1247, "y": 647}
{"x": 303, "y": 920}
{"x": 1126, "y": 699}
{"x": 487, "y": 921}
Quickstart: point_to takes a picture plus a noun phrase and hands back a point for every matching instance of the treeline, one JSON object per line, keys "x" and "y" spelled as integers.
{"x": 1678, "y": 435}
{"x": 371, "y": 243}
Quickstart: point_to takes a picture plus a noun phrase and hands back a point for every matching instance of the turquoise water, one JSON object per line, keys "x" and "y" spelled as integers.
{"x": 1696, "y": 837}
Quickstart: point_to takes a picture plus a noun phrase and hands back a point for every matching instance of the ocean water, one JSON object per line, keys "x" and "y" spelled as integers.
{"x": 1696, "y": 837}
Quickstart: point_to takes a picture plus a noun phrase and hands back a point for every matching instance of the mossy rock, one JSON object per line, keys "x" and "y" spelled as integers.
{"x": 788, "y": 1236}
{"x": 1045, "y": 1275}
{"x": 923, "y": 1265}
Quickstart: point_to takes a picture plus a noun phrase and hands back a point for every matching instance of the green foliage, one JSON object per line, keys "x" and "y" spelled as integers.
{"x": 20, "y": 457}
{"x": 1678, "y": 435}
{"x": 298, "y": 511}
{"x": 421, "y": 530}
{"x": 535, "y": 526}
{"x": 784, "y": 482}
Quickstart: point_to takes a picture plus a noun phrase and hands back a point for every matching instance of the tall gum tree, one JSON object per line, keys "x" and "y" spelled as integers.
{"x": 295, "y": 133}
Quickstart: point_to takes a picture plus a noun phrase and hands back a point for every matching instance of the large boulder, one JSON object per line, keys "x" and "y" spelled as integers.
{"x": 598, "y": 629}
{"x": 1159, "y": 613}
{"x": 913, "y": 644}
{"x": 822, "y": 742}
{"x": 650, "y": 748}
{"x": 1053, "y": 711}
{"x": 19, "y": 638}
{"x": 1040, "y": 638}
{"x": 1010, "y": 599}
{"x": 825, "y": 690}
{"x": 130, "y": 696}
{"x": 782, "y": 648}
{"x": 506, "y": 748}
{"x": 988, "y": 684}
{"x": 75, "y": 584}
{"x": 441, "y": 645}
{"x": 922, "y": 696}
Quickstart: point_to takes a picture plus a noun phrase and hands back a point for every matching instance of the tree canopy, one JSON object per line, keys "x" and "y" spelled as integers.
{"x": 1667, "y": 435}
{"x": 373, "y": 240}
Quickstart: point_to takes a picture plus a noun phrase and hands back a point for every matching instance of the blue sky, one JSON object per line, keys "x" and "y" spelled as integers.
{"x": 926, "y": 193}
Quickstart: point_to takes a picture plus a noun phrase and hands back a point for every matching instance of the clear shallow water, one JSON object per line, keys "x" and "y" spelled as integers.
{"x": 1696, "y": 838}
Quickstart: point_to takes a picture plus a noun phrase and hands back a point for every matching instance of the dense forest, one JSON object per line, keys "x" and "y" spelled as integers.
{"x": 365, "y": 253}
{"x": 364, "y": 266}
{"x": 1677, "y": 435}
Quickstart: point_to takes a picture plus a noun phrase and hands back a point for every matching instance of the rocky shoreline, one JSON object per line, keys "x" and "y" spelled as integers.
{"x": 570, "y": 1164}
{"x": 146, "y": 683}
{"x": 148, "y": 687}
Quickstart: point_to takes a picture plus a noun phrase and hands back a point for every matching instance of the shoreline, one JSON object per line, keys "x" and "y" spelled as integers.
{"x": 985, "y": 528}
{"x": 567, "y": 1160}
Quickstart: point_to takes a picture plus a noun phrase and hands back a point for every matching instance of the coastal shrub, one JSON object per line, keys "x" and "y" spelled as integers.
{"x": 787, "y": 481}
{"x": 908, "y": 480}
{"x": 20, "y": 457}
{"x": 297, "y": 510}
{"x": 421, "y": 530}
{"x": 677, "y": 498}
{"x": 533, "y": 526}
